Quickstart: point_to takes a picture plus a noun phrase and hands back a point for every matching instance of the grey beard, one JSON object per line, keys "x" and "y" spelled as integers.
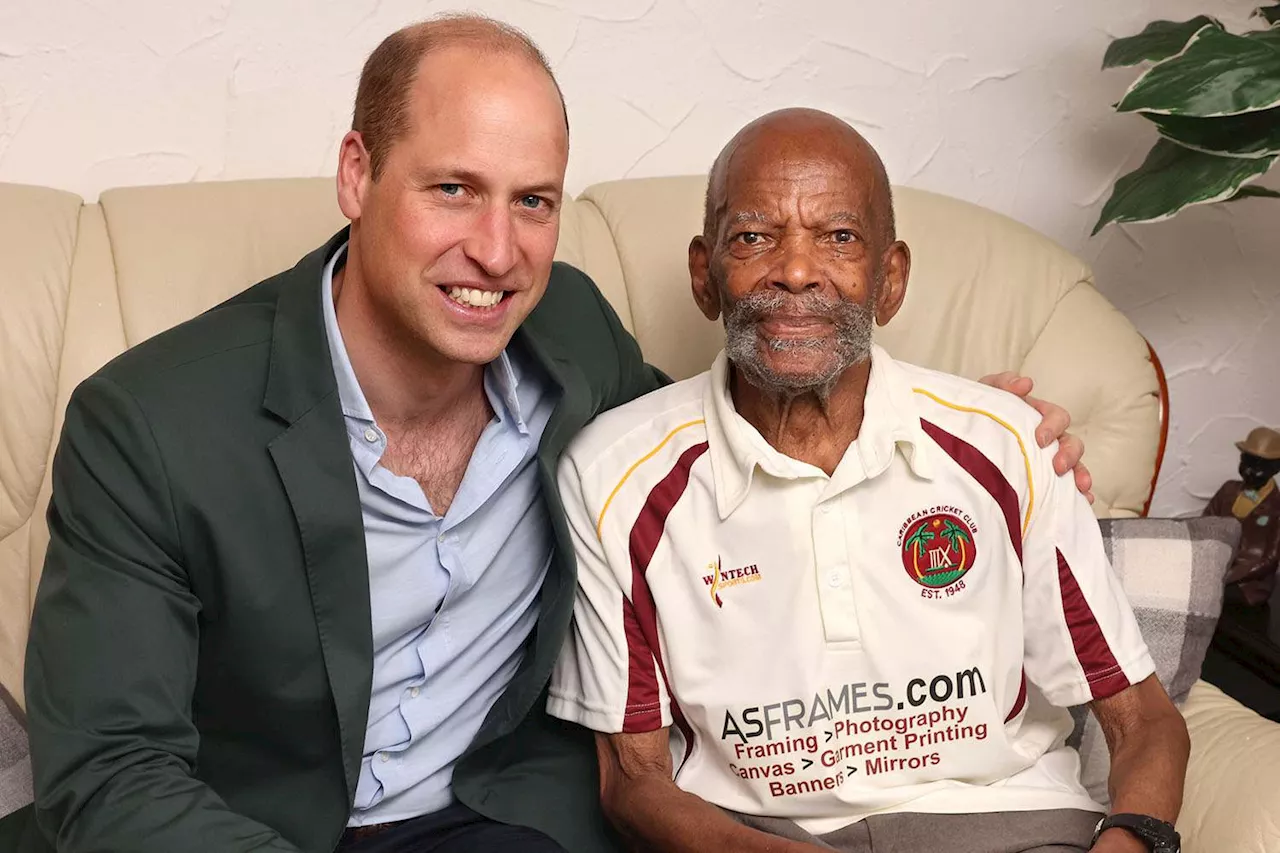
{"x": 744, "y": 344}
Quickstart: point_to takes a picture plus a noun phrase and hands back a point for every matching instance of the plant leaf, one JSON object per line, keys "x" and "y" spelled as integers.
{"x": 1255, "y": 192}
{"x": 1248, "y": 135}
{"x": 1160, "y": 40}
{"x": 1173, "y": 177}
{"x": 1270, "y": 14}
{"x": 1217, "y": 74}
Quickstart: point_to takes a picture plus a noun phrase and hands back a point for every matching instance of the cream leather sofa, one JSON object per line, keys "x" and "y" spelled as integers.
{"x": 80, "y": 283}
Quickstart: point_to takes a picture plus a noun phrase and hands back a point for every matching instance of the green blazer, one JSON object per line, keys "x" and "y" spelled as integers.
{"x": 200, "y": 660}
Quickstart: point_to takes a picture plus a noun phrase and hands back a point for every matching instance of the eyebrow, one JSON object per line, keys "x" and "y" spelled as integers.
{"x": 542, "y": 189}
{"x": 844, "y": 216}
{"x": 756, "y": 217}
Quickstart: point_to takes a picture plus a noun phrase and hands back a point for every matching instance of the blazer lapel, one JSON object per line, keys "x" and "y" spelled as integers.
{"x": 575, "y": 407}
{"x": 314, "y": 463}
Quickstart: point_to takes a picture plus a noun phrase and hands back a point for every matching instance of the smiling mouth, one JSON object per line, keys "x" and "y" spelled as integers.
{"x": 783, "y": 324}
{"x": 473, "y": 297}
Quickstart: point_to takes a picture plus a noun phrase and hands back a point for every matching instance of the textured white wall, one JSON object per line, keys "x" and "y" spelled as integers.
{"x": 997, "y": 101}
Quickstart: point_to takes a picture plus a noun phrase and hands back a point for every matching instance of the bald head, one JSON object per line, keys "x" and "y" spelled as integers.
{"x": 382, "y": 108}
{"x": 799, "y": 135}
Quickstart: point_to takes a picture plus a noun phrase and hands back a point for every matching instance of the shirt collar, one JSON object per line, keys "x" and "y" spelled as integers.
{"x": 354, "y": 404}
{"x": 501, "y": 376}
{"x": 501, "y": 382}
{"x": 890, "y": 424}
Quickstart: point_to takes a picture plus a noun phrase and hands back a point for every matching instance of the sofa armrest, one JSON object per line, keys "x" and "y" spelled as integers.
{"x": 1232, "y": 799}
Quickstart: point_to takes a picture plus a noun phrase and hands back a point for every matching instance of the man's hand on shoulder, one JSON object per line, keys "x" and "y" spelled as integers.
{"x": 1054, "y": 423}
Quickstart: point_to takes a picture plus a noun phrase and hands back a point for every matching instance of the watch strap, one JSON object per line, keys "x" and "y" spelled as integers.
{"x": 1159, "y": 836}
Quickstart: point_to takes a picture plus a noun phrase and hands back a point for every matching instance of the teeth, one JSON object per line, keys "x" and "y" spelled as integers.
{"x": 475, "y": 298}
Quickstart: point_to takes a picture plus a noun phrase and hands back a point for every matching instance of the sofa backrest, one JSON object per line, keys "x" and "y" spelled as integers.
{"x": 81, "y": 283}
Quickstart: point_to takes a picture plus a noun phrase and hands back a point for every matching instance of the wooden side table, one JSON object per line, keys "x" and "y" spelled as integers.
{"x": 1244, "y": 657}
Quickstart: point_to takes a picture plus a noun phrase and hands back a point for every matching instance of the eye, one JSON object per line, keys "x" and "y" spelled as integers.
{"x": 533, "y": 202}
{"x": 749, "y": 238}
{"x": 452, "y": 190}
{"x": 844, "y": 236}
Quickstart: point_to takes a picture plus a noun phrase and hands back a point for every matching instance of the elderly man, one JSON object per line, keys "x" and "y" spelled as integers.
{"x": 831, "y": 600}
{"x": 308, "y": 574}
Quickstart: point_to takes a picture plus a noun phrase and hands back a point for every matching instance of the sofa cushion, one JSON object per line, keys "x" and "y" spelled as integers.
{"x": 15, "y": 762}
{"x": 1172, "y": 571}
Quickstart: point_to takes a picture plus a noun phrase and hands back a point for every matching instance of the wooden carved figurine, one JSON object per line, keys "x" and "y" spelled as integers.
{"x": 1255, "y": 500}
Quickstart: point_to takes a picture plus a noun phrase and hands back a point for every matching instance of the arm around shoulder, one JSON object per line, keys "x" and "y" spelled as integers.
{"x": 111, "y": 660}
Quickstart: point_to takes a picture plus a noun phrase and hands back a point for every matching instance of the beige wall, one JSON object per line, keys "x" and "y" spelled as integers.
{"x": 995, "y": 101}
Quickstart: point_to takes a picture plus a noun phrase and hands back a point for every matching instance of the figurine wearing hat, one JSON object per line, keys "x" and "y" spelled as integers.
{"x": 1255, "y": 500}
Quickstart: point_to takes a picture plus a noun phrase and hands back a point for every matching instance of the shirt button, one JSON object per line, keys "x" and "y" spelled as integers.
{"x": 825, "y": 509}
{"x": 413, "y": 694}
{"x": 382, "y": 756}
{"x": 370, "y": 434}
{"x": 833, "y": 579}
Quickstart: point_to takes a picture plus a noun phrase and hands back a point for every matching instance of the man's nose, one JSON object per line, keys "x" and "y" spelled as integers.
{"x": 797, "y": 271}
{"x": 491, "y": 242}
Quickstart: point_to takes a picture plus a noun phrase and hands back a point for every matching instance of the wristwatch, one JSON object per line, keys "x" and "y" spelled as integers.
{"x": 1160, "y": 837}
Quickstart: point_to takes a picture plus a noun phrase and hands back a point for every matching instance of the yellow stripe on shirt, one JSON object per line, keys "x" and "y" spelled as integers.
{"x": 634, "y": 466}
{"x": 1031, "y": 488}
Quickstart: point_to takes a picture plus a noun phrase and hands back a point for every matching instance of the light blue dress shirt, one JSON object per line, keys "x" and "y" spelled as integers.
{"x": 453, "y": 599}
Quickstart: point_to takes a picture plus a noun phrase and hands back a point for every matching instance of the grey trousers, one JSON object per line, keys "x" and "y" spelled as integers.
{"x": 1056, "y": 831}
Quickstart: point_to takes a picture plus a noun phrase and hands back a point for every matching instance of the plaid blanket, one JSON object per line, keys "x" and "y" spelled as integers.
{"x": 1172, "y": 571}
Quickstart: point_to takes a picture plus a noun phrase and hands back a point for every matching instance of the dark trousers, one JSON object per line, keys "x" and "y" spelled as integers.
{"x": 456, "y": 829}
{"x": 1050, "y": 831}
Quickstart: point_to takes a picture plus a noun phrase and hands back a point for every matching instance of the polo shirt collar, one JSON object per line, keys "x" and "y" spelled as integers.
{"x": 890, "y": 424}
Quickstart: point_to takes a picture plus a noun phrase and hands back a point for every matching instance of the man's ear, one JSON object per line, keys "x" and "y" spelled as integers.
{"x": 897, "y": 269}
{"x": 355, "y": 174}
{"x": 705, "y": 293}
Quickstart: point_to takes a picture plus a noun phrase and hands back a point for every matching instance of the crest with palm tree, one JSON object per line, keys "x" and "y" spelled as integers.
{"x": 944, "y": 563}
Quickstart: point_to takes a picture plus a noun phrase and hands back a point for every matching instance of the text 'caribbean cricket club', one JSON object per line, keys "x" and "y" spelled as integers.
{"x": 775, "y": 743}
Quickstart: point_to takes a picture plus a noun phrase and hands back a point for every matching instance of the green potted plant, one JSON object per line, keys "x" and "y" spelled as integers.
{"x": 1214, "y": 96}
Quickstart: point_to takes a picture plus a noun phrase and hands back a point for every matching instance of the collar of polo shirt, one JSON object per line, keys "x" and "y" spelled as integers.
{"x": 890, "y": 423}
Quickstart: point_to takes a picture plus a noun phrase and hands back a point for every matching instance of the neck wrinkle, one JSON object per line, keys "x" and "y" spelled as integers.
{"x": 807, "y": 426}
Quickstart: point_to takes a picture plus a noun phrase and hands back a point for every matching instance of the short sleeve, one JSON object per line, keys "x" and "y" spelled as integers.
{"x": 1082, "y": 640}
{"x": 606, "y": 677}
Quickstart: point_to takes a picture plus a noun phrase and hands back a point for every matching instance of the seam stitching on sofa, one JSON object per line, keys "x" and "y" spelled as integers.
{"x": 617, "y": 253}
{"x": 115, "y": 270}
{"x": 57, "y": 382}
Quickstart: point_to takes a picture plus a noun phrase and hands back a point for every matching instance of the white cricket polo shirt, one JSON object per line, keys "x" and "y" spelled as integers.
{"x": 890, "y": 638}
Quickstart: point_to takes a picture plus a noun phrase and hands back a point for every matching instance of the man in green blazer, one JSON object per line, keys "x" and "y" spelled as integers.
{"x": 308, "y": 572}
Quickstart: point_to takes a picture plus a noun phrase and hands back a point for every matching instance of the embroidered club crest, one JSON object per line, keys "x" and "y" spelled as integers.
{"x": 938, "y": 549}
